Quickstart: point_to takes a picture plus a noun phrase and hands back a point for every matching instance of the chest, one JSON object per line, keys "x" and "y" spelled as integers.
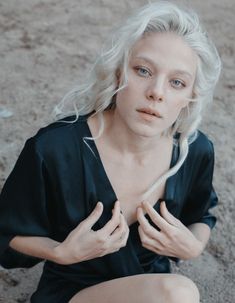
{"x": 134, "y": 168}
{"x": 130, "y": 182}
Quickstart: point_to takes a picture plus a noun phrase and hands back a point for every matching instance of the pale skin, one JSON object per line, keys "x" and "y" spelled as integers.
{"x": 161, "y": 75}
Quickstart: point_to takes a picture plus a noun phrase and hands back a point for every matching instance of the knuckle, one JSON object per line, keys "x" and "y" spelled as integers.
{"x": 172, "y": 234}
{"x": 102, "y": 253}
{"x": 124, "y": 243}
{"x": 177, "y": 222}
{"x": 123, "y": 232}
{"x": 80, "y": 229}
{"x": 116, "y": 220}
{"x": 112, "y": 249}
{"x": 144, "y": 242}
{"x": 81, "y": 224}
{"x": 143, "y": 239}
{"x": 101, "y": 239}
{"x": 119, "y": 227}
{"x": 115, "y": 250}
{"x": 147, "y": 229}
{"x": 105, "y": 246}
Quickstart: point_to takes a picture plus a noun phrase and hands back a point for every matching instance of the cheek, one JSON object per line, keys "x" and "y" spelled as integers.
{"x": 122, "y": 101}
{"x": 121, "y": 97}
{"x": 125, "y": 95}
{"x": 181, "y": 103}
{"x": 175, "y": 110}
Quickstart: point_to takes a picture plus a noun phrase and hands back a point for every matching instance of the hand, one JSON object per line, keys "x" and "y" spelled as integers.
{"x": 174, "y": 239}
{"x": 83, "y": 243}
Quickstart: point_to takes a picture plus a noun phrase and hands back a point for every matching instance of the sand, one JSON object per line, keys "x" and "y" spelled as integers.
{"x": 46, "y": 48}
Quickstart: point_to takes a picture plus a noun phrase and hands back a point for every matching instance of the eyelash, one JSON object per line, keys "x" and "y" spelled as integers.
{"x": 148, "y": 73}
{"x": 182, "y": 84}
{"x": 140, "y": 69}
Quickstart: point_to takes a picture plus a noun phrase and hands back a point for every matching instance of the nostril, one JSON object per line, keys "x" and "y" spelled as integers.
{"x": 155, "y": 97}
{"x": 159, "y": 98}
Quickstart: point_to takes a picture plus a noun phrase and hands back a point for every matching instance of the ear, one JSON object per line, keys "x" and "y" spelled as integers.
{"x": 185, "y": 102}
{"x": 118, "y": 76}
{"x": 194, "y": 97}
{"x": 190, "y": 100}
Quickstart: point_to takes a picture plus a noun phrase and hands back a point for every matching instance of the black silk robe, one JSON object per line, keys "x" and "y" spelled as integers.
{"x": 56, "y": 183}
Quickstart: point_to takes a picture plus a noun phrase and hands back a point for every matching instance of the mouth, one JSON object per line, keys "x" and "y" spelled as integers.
{"x": 149, "y": 111}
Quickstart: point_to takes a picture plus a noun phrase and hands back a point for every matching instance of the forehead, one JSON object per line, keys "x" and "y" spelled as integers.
{"x": 165, "y": 50}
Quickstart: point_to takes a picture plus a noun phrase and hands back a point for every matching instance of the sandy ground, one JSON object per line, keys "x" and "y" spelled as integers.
{"x": 46, "y": 47}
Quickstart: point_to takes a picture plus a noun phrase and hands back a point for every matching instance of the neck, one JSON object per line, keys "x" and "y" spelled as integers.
{"x": 129, "y": 144}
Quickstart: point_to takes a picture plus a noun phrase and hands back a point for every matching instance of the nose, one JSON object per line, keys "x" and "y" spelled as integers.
{"x": 155, "y": 91}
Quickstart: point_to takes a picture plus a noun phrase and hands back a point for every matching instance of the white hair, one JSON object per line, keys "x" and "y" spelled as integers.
{"x": 98, "y": 93}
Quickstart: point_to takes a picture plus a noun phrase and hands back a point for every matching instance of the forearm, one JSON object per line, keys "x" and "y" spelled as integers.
{"x": 202, "y": 232}
{"x": 40, "y": 247}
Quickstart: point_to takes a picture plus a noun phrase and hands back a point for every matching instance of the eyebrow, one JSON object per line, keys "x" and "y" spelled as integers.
{"x": 176, "y": 71}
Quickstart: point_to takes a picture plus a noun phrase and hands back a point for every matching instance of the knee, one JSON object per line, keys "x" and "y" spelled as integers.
{"x": 180, "y": 289}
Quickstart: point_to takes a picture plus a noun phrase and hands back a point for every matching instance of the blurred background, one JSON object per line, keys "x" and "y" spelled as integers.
{"x": 46, "y": 48}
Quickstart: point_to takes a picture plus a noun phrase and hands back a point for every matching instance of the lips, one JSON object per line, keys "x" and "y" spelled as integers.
{"x": 149, "y": 111}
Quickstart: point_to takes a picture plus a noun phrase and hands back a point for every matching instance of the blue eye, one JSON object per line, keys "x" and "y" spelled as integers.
{"x": 177, "y": 83}
{"x": 142, "y": 71}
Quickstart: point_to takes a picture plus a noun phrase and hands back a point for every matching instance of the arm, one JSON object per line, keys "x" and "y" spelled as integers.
{"x": 173, "y": 239}
{"x": 202, "y": 232}
{"x": 39, "y": 247}
{"x": 82, "y": 243}
{"x": 186, "y": 237}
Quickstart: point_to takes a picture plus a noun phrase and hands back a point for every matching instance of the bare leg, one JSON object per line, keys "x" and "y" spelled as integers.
{"x": 147, "y": 288}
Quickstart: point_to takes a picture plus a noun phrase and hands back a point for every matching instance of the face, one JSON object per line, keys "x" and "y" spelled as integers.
{"x": 161, "y": 75}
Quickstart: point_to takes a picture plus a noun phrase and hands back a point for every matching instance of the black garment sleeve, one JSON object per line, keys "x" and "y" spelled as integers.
{"x": 23, "y": 205}
{"x": 202, "y": 196}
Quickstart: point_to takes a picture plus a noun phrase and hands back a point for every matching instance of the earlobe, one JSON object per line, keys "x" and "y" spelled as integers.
{"x": 186, "y": 102}
{"x": 194, "y": 97}
{"x": 118, "y": 77}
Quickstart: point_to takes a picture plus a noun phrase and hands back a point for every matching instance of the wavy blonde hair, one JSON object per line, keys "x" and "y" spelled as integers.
{"x": 98, "y": 93}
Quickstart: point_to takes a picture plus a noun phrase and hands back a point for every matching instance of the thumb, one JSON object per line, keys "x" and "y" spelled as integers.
{"x": 94, "y": 216}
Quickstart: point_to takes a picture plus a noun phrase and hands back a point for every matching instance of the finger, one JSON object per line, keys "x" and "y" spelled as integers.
{"x": 93, "y": 217}
{"x": 167, "y": 215}
{"x": 126, "y": 236}
{"x": 155, "y": 249}
{"x": 113, "y": 223}
{"x": 155, "y": 217}
{"x": 145, "y": 225}
{"x": 142, "y": 234}
{"x": 120, "y": 232}
{"x": 147, "y": 241}
{"x": 127, "y": 231}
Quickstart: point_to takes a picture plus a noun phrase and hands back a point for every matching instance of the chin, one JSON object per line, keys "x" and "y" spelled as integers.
{"x": 146, "y": 132}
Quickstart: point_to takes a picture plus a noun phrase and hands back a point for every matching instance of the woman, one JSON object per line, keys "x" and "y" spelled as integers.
{"x": 108, "y": 195}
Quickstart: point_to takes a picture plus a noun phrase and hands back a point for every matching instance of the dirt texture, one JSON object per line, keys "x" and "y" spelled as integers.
{"x": 46, "y": 47}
